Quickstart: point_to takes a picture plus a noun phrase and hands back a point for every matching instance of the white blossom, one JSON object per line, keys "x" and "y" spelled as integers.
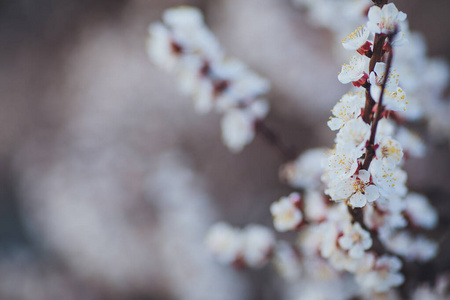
{"x": 356, "y": 240}
{"x": 387, "y": 215}
{"x": 315, "y": 206}
{"x": 306, "y": 170}
{"x": 259, "y": 242}
{"x": 356, "y": 39}
{"x": 378, "y": 75}
{"x": 238, "y": 129}
{"x": 343, "y": 165}
{"x": 341, "y": 260}
{"x": 348, "y": 108}
{"x": 353, "y": 137}
{"x": 183, "y": 16}
{"x": 389, "y": 151}
{"x": 185, "y": 47}
{"x": 160, "y": 47}
{"x": 224, "y": 242}
{"x": 420, "y": 212}
{"x": 356, "y": 190}
{"x": 328, "y": 232}
{"x": 286, "y": 214}
{"x": 384, "y": 20}
{"x": 385, "y": 275}
{"x": 287, "y": 261}
{"x": 355, "y": 70}
{"x": 411, "y": 142}
{"x": 412, "y": 248}
{"x": 390, "y": 180}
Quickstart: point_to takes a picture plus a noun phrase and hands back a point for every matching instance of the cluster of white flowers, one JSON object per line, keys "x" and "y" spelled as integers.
{"x": 365, "y": 247}
{"x": 346, "y": 177}
{"x": 251, "y": 247}
{"x": 440, "y": 291}
{"x": 286, "y": 213}
{"x": 424, "y": 79}
{"x": 360, "y": 238}
{"x": 182, "y": 45}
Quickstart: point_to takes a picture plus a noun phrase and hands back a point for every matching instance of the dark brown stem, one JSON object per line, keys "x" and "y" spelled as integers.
{"x": 357, "y": 213}
{"x": 377, "y": 56}
{"x": 367, "y": 114}
{"x": 287, "y": 152}
{"x": 379, "y": 3}
{"x": 370, "y": 149}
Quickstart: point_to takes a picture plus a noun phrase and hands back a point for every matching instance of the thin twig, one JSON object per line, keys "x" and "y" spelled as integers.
{"x": 377, "y": 56}
{"x": 370, "y": 149}
{"x": 272, "y": 138}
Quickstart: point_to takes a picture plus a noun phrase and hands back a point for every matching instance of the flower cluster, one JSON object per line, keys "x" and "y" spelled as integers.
{"x": 184, "y": 46}
{"x": 354, "y": 212}
{"x": 366, "y": 229}
{"x": 251, "y": 246}
{"x": 424, "y": 78}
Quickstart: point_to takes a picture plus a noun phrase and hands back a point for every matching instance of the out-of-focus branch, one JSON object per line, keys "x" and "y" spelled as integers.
{"x": 288, "y": 152}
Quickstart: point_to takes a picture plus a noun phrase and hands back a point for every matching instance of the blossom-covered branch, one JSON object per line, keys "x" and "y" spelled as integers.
{"x": 354, "y": 213}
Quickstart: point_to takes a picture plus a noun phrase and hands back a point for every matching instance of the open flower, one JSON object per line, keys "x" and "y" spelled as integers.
{"x": 385, "y": 275}
{"x": 160, "y": 47}
{"x": 306, "y": 170}
{"x": 238, "y": 129}
{"x": 389, "y": 150}
{"x": 420, "y": 212}
{"x": 183, "y": 16}
{"x": 384, "y": 20}
{"x": 392, "y": 100}
{"x": 353, "y": 137}
{"x": 358, "y": 40}
{"x": 287, "y": 261}
{"x": 259, "y": 242}
{"x": 357, "y": 190}
{"x": 412, "y": 144}
{"x": 343, "y": 165}
{"x": 224, "y": 242}
{"x": 355, "y": 71}
{"x": 286, "y": 214}
{"x": 348, "y": 108}
{"x": 356, "y": 240}
{"x": 390, "y": 180}
{"x": 377, "y": 77}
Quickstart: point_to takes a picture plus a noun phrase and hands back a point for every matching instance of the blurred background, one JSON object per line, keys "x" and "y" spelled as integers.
{"x": 109, "y": 179}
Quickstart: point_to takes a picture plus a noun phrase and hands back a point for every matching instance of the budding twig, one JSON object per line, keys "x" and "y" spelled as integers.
{"x": 370, "y": 149}
{"x": 357, "y": 213}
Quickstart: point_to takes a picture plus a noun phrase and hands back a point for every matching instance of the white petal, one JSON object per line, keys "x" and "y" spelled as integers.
{"x": 372, "y": 193}
{"x": 358, "y": 200}
{"x": 345, "y": 242}
{"x": 375, "y": 14}
{"x": 356, "y": 252}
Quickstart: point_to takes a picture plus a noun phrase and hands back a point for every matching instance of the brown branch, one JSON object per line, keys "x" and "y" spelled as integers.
{"x": 377, "y": 56}
{"x": 370, "y": 149}
{"x": 379, "y": 3}
{"x": 272, "y": 138}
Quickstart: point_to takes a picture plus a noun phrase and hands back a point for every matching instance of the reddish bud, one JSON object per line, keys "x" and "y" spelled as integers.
{"x": 365, "y": 49}
{"x": 361, "y": 81}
